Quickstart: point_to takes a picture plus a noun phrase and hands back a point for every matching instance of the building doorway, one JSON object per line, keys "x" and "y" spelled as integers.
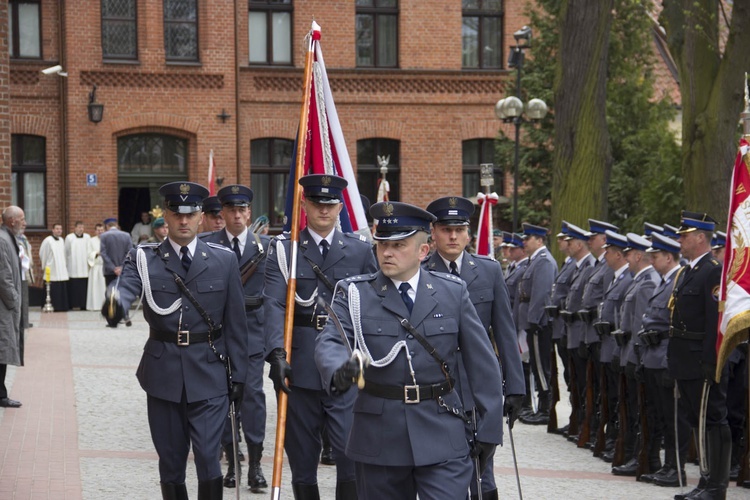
{"x": 144, "y": 163}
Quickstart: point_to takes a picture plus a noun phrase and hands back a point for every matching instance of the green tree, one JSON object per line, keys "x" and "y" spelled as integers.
{"x": 711, "y": 84}
{"x": 644, "y": 184}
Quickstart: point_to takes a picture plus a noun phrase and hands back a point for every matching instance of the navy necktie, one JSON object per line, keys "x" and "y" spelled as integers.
{"x": 404, "y": 288}
{"x": 454, "y": 269}
{"x": 186, "y": 260}
{"x": 236, "y": 247}
{"x": 324, "y": 248}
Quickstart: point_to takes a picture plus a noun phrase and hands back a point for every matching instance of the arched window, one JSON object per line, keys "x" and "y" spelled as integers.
{"x": 368, "y": 170}
{"x": 144, "y": 163}
{"x": 269, "y": 173}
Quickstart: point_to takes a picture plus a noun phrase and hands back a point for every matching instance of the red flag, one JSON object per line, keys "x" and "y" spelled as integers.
{"x": 211, "y": 174}
{"x": 734, "y": 298}
{"x": 484, "y": 232}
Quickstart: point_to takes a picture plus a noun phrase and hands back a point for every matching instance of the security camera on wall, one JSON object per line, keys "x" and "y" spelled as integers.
{"x": 54, "y": 70}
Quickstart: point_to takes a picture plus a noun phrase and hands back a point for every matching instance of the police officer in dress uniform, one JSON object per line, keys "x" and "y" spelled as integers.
{"x": 635, "y": 303}
{"x": 691, "y": 353}
{"x": 610, "y": 319}
{"x": 653, "y": 339}
{"x": 250, "y": 250}
{"x": 213, "y": 220}
{"x": 192, "y": 329}
{"x": 593, "y": 296}
{"x": 484, "y": 279}
{"x": 560, "y": 289}
{"x": 533, "y": 298}
{"x": 418, "y": 330}
{"x": 326, "y": 255}
{"x": 584, "y": 265}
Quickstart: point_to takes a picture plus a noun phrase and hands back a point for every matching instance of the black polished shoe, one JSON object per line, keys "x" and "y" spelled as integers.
{"x": 608, "y": 456}
{"x": 573, "y": 438}
{"x": 256, "y": 481}
{"x": 734, "y": 472}
{"x": 689, "y": 495}
{"x": 628, "y": 469}
{"x": 538, "y": 418}
{"x": 326, "y": 456}
{"x": 667, "y": 476}
{"x": 562, "y": 430}
{"x": 9, "y": 403}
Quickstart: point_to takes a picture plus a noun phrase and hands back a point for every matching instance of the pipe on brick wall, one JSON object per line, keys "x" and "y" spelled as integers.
{"x": 63, "y": 87}
{"x": 237, "y": 139}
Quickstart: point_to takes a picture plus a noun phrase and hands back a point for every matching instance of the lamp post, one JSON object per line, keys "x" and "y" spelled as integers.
{"x": 511, "y": 109}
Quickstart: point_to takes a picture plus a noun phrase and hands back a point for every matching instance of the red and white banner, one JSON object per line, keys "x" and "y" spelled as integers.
{"x": 484, "y": 232}
{"x": 211, "y": 174}
{"x": 324, "y": 148}
{"x": 734, "y": 298}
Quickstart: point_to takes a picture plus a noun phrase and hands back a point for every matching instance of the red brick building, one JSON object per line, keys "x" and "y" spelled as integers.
{"x": 178, "y": 78}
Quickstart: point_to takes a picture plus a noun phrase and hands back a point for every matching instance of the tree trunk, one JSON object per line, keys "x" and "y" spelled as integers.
{"x": 582, "y": 158}
{"x": 711, "y": 84}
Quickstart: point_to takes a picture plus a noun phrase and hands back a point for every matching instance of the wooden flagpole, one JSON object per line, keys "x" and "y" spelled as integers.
{"x": 278, "y": 456}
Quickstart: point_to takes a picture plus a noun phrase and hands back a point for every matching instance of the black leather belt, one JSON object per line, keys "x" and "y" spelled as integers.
{"x": 252, "y": 303}
{"x": 409, "y": 394}
{"x": 652, "y": 337}
{"x": 603, "y": 328}
{"x": 621, "y": 338}
{"x": 317, "y": 321}
{"x": 183, "y": 337}
{"x": 552, "y": 311}
{"x": 684, "y": 334}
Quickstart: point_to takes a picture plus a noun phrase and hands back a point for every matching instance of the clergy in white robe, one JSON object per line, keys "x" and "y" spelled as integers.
{"x": 52, "y": 255}
{"x": 96, "y": 285}
{"x": 77, "y": 259}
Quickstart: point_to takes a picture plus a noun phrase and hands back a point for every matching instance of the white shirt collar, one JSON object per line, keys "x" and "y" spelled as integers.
{"x": 671, "y": 272}
{"x": 318, "y": 238}
{"x": 619, "y": 272}
{"x": 413, "y": 282}
{"x": 579, "y": 262}
{"x": 536, "y": 252}
{"x": 242, "y": 237}
{"x": 693, "y": 262}
{"x": 191, "y": 247}
{"x": 459, "y": 261}
{"x": 642, "y": 271}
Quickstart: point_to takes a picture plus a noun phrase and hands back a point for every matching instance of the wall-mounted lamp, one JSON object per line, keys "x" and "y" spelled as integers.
{"x": 96, "y": 110}
{"x": 219, "y": 181}
{"x": 223, "y": 116}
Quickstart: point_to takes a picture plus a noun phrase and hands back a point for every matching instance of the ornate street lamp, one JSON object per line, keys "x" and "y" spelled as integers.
{"x": 511, "y": 109}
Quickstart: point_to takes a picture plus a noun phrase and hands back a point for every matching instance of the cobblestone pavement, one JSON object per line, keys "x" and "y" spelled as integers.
{"x": 82, "y": 432}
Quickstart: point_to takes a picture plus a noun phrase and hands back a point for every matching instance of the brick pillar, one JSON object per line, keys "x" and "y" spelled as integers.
{"x": 5, "y": 160}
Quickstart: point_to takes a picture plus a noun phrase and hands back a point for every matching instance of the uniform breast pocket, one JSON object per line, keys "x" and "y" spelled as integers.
{"x": 481, "y": 295}
{"x": 163, "y": 285}
{"x": 378, "y": 326}
{"x": 692, "y": 292}
{"x": 210, "y": 286}
{"x": 440, "y": 326}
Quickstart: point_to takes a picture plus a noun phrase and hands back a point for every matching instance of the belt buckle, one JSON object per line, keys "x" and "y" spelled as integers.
{"x": 183, "y": 337}
{"x": 409, "y": 400}
{"x": 320, "y": 321}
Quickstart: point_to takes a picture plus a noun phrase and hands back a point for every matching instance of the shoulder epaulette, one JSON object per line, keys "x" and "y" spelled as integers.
{"x": 715, "y": 262}
{"x": 218, "y": 246}
{"x": 282, "y": 236}
{"x": 357, "y": 236}
{"x": 359, "y": 277}
{"x": 205, "y": 235}
{"x": 446, "y": 276}
{"x": 482, "y": 257}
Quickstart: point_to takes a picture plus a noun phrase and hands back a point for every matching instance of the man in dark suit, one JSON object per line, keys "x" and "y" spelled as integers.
{"x": 115, "y": 245}
{"x": 691, "y": 353}
{"x": 326, "y": 255}
{"x": 250, "y": 250}
{"x": 182, "y": 369}
{"x": 484, "y": 279}
{"x": 417, "y": 331}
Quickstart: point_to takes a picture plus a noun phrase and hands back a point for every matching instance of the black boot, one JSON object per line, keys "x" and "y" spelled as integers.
{"x": 255, "y": 479}
{"x": 702, "y": 482}
{"x": 666, "y": 476}
{"x": 171, "y": 491}
{"x": 346, "y": 490}
{"x": 230, "y": 480}
{"x": 627, "y": 469}
{"x": 305, "y": 491}
{"x": 326, "y": 455}
{"x": 734, "y": 468}
{"x": 527, "y": 409}
{"x": 210, "y": 490}
{"x": 541, "y": 417}
{"x": 719, "y": 441}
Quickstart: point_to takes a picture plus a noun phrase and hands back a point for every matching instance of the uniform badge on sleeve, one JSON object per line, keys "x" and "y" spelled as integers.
{"x": 715, "y": 293}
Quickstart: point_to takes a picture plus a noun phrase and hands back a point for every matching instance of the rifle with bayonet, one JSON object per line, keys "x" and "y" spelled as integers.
{"x": 575, "y": 398}
{"x": 554, "y": 393}
{"x": 643, "y": 465}
{"x": 601, "y": 437}
{"x": 585, "y": 433}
